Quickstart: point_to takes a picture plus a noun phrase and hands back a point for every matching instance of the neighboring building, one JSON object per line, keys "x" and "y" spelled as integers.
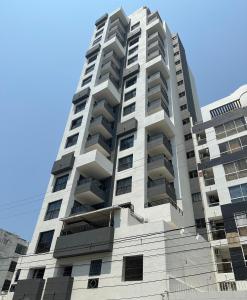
{"x": 222, "y": 165}
{"x": 190, "y": 113}
{"x": 11, "y": 247}
{"x": 117, "y": 220}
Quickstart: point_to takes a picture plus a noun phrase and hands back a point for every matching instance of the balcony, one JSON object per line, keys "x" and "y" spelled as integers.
{"x": 224, "y": 267}
{"x": 154, "y": 16}
{"x": 111, "y": 56}
{"x": 160, "y": 189}
{"x": 110, "y": 77}
{"x": 156, "y": 53}
{"x": 156, "y": 92}
{"x": 158, "y": 144}
{"x": 97, "y": 142}
{"x": 218, "y": 234}
{"x": 82, "y": 240}
{"x": 101, "y": 107}
{"x": 111, "y": 68}
{"x": 155, "y": 79}
{"x": 157, "y": 105}
{"x": 159, "y": 166}
{"x": 156, "y": 45}
{"x": 156, "y": 63}
{"x": 86, "y": 233}
{"x": 102, "y": 126}
{"x": 90, "y": 191}
{"x": 117, "y": 22}
{"x": 94, "y": 164}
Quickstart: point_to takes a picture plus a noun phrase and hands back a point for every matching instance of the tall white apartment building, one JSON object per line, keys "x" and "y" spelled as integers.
{"x": 221, "y": 154}
{"x": 11, "y": 248}
{"x": 117, "y": 221}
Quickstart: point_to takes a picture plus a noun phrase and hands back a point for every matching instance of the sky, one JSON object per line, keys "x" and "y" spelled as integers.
{"x": 42, "y": 48}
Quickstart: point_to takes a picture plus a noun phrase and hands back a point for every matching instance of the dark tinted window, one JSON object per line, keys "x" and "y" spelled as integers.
{"x": 80, "y": 106}
{"x": 95, "y": 267}
{"x": 129, "y": 109}
{"x": 127, "y": 142}
{"x": 131, "y": 81}
{"x": 20, "y": 249}
{"x": 60, "y": 183}
{"x": 76, "y": 123}
{"x": 130, "y": 95}
{"x": 124, "y": 186}
{"x": 12, "y": 266}
{"x": 133, "y": 268}
{"x": 53, "y": 210}
{"x": 125, "y": 162}
{"x": 71, "y": 140}
{"x": 45, "y": 240}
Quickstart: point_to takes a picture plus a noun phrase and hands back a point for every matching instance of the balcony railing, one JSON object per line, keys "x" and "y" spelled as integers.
{"x": 154, "y": 16}
{"x": 224, "y": 267}
{"x": 218, "y": 234}
{"x": 155, "y": 140}
{"x": 162, "y": 161}
{"x": 155, "y": 76}
{"x": 166, "y": 187}
{"x": 98, "y": 139}
{"x": 156, "y": 104}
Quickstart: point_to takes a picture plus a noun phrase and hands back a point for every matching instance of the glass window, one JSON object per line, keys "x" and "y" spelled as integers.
{"x": 12, "y": 266}
{"x": 230, "y": 128}
{"x": 133, "y": 268}
{"x": 133, "y": 41}
{"x": 80, "y": 106}
{"x": 180, "y": 82}
{"x": 53, "y": 210}
{"x": 235, "y": 170}
{"x": 182, "y": 94}
{"x": 178, "y": 72}
{"x": 60, "y": 183}
{"x": 135, "y": 25}
{"x": 89, "y": 69}
{"x": 177, "y": 62}
{"x": 21, "y": 249}
{"x": 71, "y": 140}
{"x": 131, "y": 81}
{"x": 38, "y": 273}
{"x": 127, "y": 142}
{"x": 76, "y": 123}
{"x": 86, "y": 80}
{"x": 132, "y": 50}
{"x": 45, "y": 240}
{"x": 6, "y": 285}
{"x": 67, "y": 271}
{"x": 125, "y": 162}
{"x": 95, "y": 267}
{"x": 238, "y": 193}
{"x": 186, "y": 121}
{"x": 190, "y": 154}
{"x": 132, "y": 59}
{"x": 193, "y": 174}
{"x": 124, "y": 186}
{"x": 196, "y": 197}
{"x": 129, "y": 109}
{"x": 92, "y": 58}
{"x": 200, "y": 223}
{"x": 188, "y": 136}
{"x": 183, "y": 107}
{"x": 17, "y": 275}
{"x": 130, "y": 95}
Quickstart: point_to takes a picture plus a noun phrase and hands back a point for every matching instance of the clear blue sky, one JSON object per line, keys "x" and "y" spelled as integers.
{"x": 41, "y": 55}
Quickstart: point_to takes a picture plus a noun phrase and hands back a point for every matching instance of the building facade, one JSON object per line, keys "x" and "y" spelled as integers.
{"x": 11, "y": 248}
{"x": 221, "y": 139}
{"x": 118, "y": 221}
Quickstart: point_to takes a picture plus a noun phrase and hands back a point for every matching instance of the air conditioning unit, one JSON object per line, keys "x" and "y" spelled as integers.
{"x": 93, "y": 283}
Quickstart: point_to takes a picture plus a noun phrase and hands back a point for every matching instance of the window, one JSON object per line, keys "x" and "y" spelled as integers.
{"x": 196, "y": 197}
{"x": 100, "y": 25}
{"x": 225, "y": 108}
{"x": 92, "y": 58}
{"x": 21, "y": 249}
{"x": 134, "y": 49}
{"x": 86, "y": 80}
{"x": 76, "y": 123}
{"x": 44, "y": 243}
{"x": 17, "y": 275}
{"x": 124, "y": 186}
{"x": 134, "y": 41}
{"x": 232, "y": 146}
{"x": 135, "y": 26}
{"x": 95, "y": 267}
{"x": 60, "y": 183}
{"x": 177, "y": 62}
{"x": 182, "y": 94}
{"x": 125, "y": 162}
{"x": 208, "y": 175}
{"x": 38, "y": 273}
{"x": 6, "y": 285}
{"x": 176, "y": 53}
{"x": 127, "y": 142}
{"x": 80, "y": 106}
{"x": 97, "y": 40}
{"x": 129, "y": 109}
{"x": 178, "y": 72}
{"x": 89, "y": 69}
{"x": 67, "y": 271}
{"x": 99, "y": 32}
{"x": 200, "y": 223}
{"x": 12, "y": 266}
{"x": 133, "y": 268}
{"x": 175, "y": 45}
{"x": 193, "y": 174}
{"x": 188, "y": 136}
{"x": 186, "y": 121}
{"x": 12, "y": 288}
{"x": 131, "y": 81}
{"x": 53, "y": 210}
{"x": 183, "y": 107}
{"x": 238, "y": 193}
{"x": 230, "y": 128}
{"x": 130, "y": 95}
{"x": 180, "y": 82}
{"x": 71, "y": 140}
{"x": 236, "y": 170}
{"x": 190, "y": 154}
{"x": 132, "y": 59}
